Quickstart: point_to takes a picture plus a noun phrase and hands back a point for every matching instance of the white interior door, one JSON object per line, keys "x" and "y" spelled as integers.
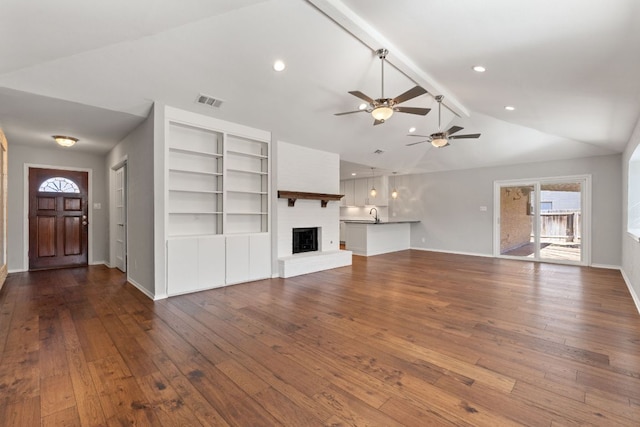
{"x": 120, "y": 190}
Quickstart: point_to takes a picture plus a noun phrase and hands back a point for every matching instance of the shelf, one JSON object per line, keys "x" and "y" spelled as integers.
{"x": 247, "y": 171}
{"x": 240, "y": 153}
{"x": 247, "y": 213}
{"x": 194, "y": 152}
{"x": 194, "y": 172}
{"x": 195, "y": 213}
{"x": 261, "y": 193}
{"x": 186, "y": 190}
{"x": 295, "y": 195}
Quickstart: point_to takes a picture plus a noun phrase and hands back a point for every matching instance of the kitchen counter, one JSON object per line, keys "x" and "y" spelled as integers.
{"x": 368, "y": 238}
{"x": 364, "y": 221}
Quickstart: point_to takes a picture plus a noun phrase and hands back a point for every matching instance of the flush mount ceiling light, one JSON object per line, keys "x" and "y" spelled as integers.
{"x": 479, "y": 69}
{"x": 65, "y": 141}
{"x": 279, "y": 65}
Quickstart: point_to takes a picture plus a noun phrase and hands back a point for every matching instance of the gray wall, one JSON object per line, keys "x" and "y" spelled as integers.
{"x": 137, "y": 147}
{"x": 19, "y": 155}
{"x": 448, "y": 205}
{"x": 630, "y": 246}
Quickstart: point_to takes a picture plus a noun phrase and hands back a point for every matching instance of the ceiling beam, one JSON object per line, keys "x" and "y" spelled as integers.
{"x": 374, "y": 40}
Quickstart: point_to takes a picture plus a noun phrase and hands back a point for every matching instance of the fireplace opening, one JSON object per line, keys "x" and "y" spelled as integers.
{"x": 305, "y": 240}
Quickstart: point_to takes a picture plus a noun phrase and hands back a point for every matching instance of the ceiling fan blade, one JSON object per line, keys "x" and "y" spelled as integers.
{"x": 410, "y": 94}
{"x": 412, "y": 110}
{"x": 419, "y": 142}
{"x": 420, "y": 136}
{"x": 378, "y": 122}
{"x": 348, "y": 112}
{"x": 362, "y": 96}
{"x": 453, "y": 129}
{"x": 471, "y": 135}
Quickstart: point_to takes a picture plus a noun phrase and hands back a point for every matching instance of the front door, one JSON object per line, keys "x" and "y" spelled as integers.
{"x": 58, "y": 221}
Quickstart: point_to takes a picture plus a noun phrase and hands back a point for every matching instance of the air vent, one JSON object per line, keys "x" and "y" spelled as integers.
{"x": 378, "y": 151}
{"x": 208, "y": 100}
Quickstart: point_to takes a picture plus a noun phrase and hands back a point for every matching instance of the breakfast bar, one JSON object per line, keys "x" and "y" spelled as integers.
{"x": 368, "y": 238}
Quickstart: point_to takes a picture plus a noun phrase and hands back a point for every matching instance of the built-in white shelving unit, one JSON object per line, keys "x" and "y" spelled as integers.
{"x": 217, "y": 203}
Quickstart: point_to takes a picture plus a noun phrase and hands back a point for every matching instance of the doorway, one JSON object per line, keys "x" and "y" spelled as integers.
{"x": 543, "y": 220}
{"x": 58, "y": 218}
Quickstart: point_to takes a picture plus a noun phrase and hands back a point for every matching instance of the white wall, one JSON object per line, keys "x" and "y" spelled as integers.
{"x": 630, "y": 246}
{"x": 19, "y": 155}
{"x": 448, "y": 205}
{"x": 308, "y": 170}
{"x": 137, "y": 147}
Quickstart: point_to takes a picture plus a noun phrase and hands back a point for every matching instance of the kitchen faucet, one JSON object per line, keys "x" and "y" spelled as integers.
{"x": 377, "y": 220}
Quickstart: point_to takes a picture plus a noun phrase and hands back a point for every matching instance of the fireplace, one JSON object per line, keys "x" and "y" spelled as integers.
{"x": 305, "y": 240}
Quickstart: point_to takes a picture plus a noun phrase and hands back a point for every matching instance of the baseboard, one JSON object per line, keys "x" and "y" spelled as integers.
{"x": 99, "y": 263}
{"x": 18, "y": 271}
{"x": 452, "y": 252}
{"x": 607, "y": 266}
{"x": 141, "y": 288}
{"x": 632, "y": 291}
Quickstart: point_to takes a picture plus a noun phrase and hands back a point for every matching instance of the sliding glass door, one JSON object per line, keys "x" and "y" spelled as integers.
{"x": 543, "y": 219}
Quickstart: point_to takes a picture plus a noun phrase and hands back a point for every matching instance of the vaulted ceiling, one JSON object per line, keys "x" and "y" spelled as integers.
{"x": 93, "y": 69}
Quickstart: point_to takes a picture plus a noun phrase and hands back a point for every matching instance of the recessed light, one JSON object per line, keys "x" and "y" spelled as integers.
{"x": 279, "y": 65}
{"x": 363, "y": 106}
{"x": 509, "y": 107}
{"x": 479, "y": 69}
{"x": 412, "y": 130}
{"x": 353, "y": 174}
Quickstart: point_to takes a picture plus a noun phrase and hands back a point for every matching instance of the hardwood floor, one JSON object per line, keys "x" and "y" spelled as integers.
{"x": 410, "y": 338}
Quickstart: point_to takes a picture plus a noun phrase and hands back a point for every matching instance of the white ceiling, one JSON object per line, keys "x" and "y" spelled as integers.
{"x": 93, "y": 70}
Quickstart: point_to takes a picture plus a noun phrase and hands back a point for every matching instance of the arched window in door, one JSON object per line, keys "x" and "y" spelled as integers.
{"x": 59, "y": 184}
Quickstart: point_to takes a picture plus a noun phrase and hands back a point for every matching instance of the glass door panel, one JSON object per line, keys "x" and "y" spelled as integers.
{"x": 517, "y": 221}
{"x": 561, "y": 221}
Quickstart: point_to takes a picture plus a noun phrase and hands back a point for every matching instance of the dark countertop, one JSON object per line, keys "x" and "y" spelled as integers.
{"x": 364, "y": 221}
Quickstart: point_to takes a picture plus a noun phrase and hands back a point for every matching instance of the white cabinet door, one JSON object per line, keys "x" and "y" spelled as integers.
{"x": 349, "y": 192}
{"x": 259, "y": 256}
{"x": 237, "y": 261}
{"x": 361, "y": 190}
{"x": 211, "y": 261}
{"x": 182, "y": 266}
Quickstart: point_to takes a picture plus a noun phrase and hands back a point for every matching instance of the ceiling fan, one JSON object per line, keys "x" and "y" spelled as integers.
{"x": 383, "y": 108}
{"x": 441, "y": 139}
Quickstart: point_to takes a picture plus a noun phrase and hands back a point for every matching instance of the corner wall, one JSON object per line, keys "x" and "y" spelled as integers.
{"x": 448, "y": 205}
{"x": 137, "y": 149}
{"x": 630, "y": 246}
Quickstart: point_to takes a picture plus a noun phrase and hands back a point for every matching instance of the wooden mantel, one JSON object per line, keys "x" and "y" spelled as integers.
{"x": 295, "y": 195}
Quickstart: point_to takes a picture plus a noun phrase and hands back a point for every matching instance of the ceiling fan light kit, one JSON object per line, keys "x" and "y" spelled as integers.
{"x": 383, "y": 108}
{"x": 441, "y": 139}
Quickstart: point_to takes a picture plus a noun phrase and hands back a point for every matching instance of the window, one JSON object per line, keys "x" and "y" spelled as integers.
{"x": 633, "y": 203}
{"x": 59, "y": 184}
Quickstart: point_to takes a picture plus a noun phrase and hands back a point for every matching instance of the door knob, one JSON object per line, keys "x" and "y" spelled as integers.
{"x": 84, "y": 222}
{"x": 84, "y": 217}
